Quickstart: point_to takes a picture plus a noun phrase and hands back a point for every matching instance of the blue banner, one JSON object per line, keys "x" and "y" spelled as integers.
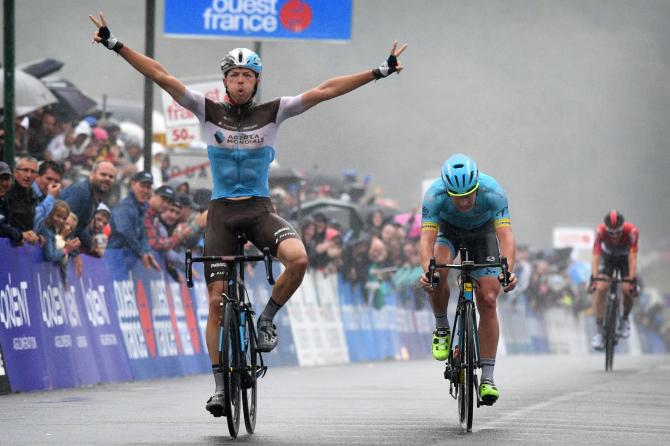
{"x": 259, "y": 19}
{"x": 56, "y": 334}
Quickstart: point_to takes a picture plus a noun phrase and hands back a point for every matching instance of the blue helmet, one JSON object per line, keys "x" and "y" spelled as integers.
{"x": 242, "y": 58}
{"x": 460, "y": 175}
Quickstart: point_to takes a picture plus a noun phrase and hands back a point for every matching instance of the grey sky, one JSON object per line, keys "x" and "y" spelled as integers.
{"x": 566, "y": 103}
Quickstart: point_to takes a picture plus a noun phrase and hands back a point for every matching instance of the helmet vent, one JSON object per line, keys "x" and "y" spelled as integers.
{"x": 240, "y": 57}
{"x": 458, "y": 166}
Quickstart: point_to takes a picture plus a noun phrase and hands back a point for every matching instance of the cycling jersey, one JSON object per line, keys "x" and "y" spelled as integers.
{"x": 621, "y": 245}
{"x": 490, "y": 204}
{"x": 240, "y": 140}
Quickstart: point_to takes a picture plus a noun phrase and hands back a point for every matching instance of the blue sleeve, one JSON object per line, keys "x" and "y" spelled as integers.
{"x": 124, "y": 227}
{"x": 497, "y": 199}
{"x": 433, "y": 202}
{"x": 42, "y": 210}
{"x": 51, "y": 253}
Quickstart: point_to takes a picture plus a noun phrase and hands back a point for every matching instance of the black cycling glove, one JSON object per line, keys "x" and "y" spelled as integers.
{"x": 108, "y": 39}
{"x": 387, "y": 68}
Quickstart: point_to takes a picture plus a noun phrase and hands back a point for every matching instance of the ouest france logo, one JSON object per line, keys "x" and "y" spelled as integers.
{"x": 255, "y": 16}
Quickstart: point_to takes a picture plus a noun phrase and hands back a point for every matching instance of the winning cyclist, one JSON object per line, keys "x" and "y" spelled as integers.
{"x": 467, "y": 208}
{"x": 240, "y": 137}
{"x": 615, "y": 245}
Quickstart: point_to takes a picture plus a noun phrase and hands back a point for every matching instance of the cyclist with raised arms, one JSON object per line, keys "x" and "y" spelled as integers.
{"x": 467, "y": 208}
{"x": 240, "y": 137}
{"x": 615, "y": 245}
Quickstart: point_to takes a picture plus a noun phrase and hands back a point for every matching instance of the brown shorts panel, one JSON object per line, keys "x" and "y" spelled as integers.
{"x": 255, "y": 217}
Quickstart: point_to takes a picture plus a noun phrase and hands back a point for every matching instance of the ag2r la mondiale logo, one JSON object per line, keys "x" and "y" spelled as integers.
{"x": 257, "y": 15}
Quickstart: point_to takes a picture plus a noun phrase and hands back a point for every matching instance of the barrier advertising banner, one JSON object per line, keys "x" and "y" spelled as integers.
{"x": 259, "y": 19}
{"x": 56, "y": 334}
{"x": 158, "y": 322}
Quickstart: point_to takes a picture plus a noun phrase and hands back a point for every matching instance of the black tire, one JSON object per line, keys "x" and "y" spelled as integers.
{"x": 466, "y": 394}
{"x": 230, "y": 364}
{"x": 611, "y": 311}
{"x": 249, "y": 390}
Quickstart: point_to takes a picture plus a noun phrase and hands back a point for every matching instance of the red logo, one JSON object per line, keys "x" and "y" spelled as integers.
{"x": 145, "y": 318}
{"x": 295, "y": 15}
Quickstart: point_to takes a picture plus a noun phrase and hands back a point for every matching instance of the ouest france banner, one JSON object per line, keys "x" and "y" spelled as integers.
{"x": 259, "y": 19}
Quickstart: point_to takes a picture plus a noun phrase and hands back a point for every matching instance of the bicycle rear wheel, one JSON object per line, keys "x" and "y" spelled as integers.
{"x": 249, "y": 381}
{"x": 611, "y": 311}
{"x": 230, "y": 364}
{"x": 467, "y": 372}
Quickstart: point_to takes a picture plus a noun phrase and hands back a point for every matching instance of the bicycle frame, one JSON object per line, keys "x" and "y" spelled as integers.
{"x": 463, "y": 358}
{"x": 611, "y": 314}
{"x": 237, "y": 357}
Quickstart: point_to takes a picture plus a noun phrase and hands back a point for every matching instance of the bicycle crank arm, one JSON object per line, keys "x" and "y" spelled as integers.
{"x": 479, "y": 398}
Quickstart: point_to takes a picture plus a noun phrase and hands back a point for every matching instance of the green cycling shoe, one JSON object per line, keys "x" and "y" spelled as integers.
{"x": 488, "y": 392}
{"x": 441, "y": 340}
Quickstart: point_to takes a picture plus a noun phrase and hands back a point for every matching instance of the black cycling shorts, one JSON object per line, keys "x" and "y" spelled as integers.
{"x": 255, "y": 217}
{"x": 481, "y": 242}
{"x": 608, "y": 262}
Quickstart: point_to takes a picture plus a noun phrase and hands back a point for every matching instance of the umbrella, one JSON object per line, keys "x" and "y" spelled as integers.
{"x": 404, "y": 219}
{"x": 29, "y": 93}
{"x": 346, "y": 213}
{"x": 72, "y": 102}
{"x": 41, "y": 67}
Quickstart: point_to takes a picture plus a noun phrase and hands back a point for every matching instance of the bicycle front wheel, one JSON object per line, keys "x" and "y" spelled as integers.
{"x": 229, "y": 352}
{"x": 611, "y": 316}
{"x": 249, "y": 381}
{"x": 467, "y": 372}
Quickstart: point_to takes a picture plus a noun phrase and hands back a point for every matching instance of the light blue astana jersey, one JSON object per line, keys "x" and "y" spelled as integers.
{"x": 490, "y": 204}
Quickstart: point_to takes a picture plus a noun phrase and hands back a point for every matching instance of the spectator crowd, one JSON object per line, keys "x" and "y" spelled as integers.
{"x": 79, "y": 188}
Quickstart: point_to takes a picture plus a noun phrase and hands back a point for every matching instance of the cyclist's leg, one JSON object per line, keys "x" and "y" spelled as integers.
{"x": 605, "y": 270}
{"x": 439, "y": 300}
{"x": 218, "y": 241}
{"x": 272, "y": 231}
{"x": 629, "y": 295}
{"x": 483, "y": 245}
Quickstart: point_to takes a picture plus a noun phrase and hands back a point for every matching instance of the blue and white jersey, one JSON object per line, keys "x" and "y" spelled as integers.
{"x": 490, "y": 204}
{"x": 240, "y": 141}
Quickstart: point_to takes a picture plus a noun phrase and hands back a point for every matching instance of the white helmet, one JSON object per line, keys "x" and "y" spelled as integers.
{"x": 242, "y": 58}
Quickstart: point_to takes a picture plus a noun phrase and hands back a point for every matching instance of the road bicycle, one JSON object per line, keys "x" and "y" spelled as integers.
{"x": 239, "y": 360}
{"x": 612, "y": 315}
{"x": 463, "y": 358}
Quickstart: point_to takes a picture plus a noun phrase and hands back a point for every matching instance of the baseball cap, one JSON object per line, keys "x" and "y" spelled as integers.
{"x": 143, "y": 177}
{"x": 4, "y": 169}
{"x": 102, "y": 207}
{"x": 184, "y": 200}
{"x": 166, "y": 192}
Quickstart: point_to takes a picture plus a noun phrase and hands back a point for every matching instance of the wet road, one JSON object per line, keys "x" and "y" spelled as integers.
{"x": 554, "y": 400}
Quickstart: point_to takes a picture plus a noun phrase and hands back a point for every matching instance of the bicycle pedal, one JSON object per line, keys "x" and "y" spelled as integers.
{"x": 447, "y": 373}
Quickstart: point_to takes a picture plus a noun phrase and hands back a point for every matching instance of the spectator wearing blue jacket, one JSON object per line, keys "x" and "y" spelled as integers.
{"x": 128, "y": 230}
{"x": 84, "y": 197}
{"x": 47, "y": 187}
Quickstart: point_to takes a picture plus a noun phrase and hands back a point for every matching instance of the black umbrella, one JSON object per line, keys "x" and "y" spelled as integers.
{"x": 347, "y": 214}
{"x": 72, "y": 104}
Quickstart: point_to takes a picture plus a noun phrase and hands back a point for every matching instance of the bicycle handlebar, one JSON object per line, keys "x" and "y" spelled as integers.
{"x": 266, "y": 258}
{"x": 468, "y": 266}
{"x": 610, "y": 280}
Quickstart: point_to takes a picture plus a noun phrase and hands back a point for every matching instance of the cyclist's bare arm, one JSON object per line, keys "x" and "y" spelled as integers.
{"x": 595, "y": 264}
{"x": 338, "y": 86}
{"x": 507, "y": 245}
{"x": 427, "y": 251}
{"x": 507, "y": 249}
{"x": 145, "y": 65}
{"x": 632, "y": 264}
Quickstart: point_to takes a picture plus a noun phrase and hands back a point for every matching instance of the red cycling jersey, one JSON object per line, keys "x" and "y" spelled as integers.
{"x": 620, "y": 245}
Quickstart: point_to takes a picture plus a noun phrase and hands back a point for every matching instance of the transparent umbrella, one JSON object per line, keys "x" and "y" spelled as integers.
{"x": 29, "y": 93}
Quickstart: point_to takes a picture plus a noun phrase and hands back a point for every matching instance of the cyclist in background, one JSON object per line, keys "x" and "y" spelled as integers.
{"x": 240, "y": 137}
{"x": 467, "y": 208}
{"x": 615, "y": 245}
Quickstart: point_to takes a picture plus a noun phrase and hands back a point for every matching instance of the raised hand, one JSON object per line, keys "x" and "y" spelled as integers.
{"x": 391, "y": 64}
{"x": 104, "y": 35}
